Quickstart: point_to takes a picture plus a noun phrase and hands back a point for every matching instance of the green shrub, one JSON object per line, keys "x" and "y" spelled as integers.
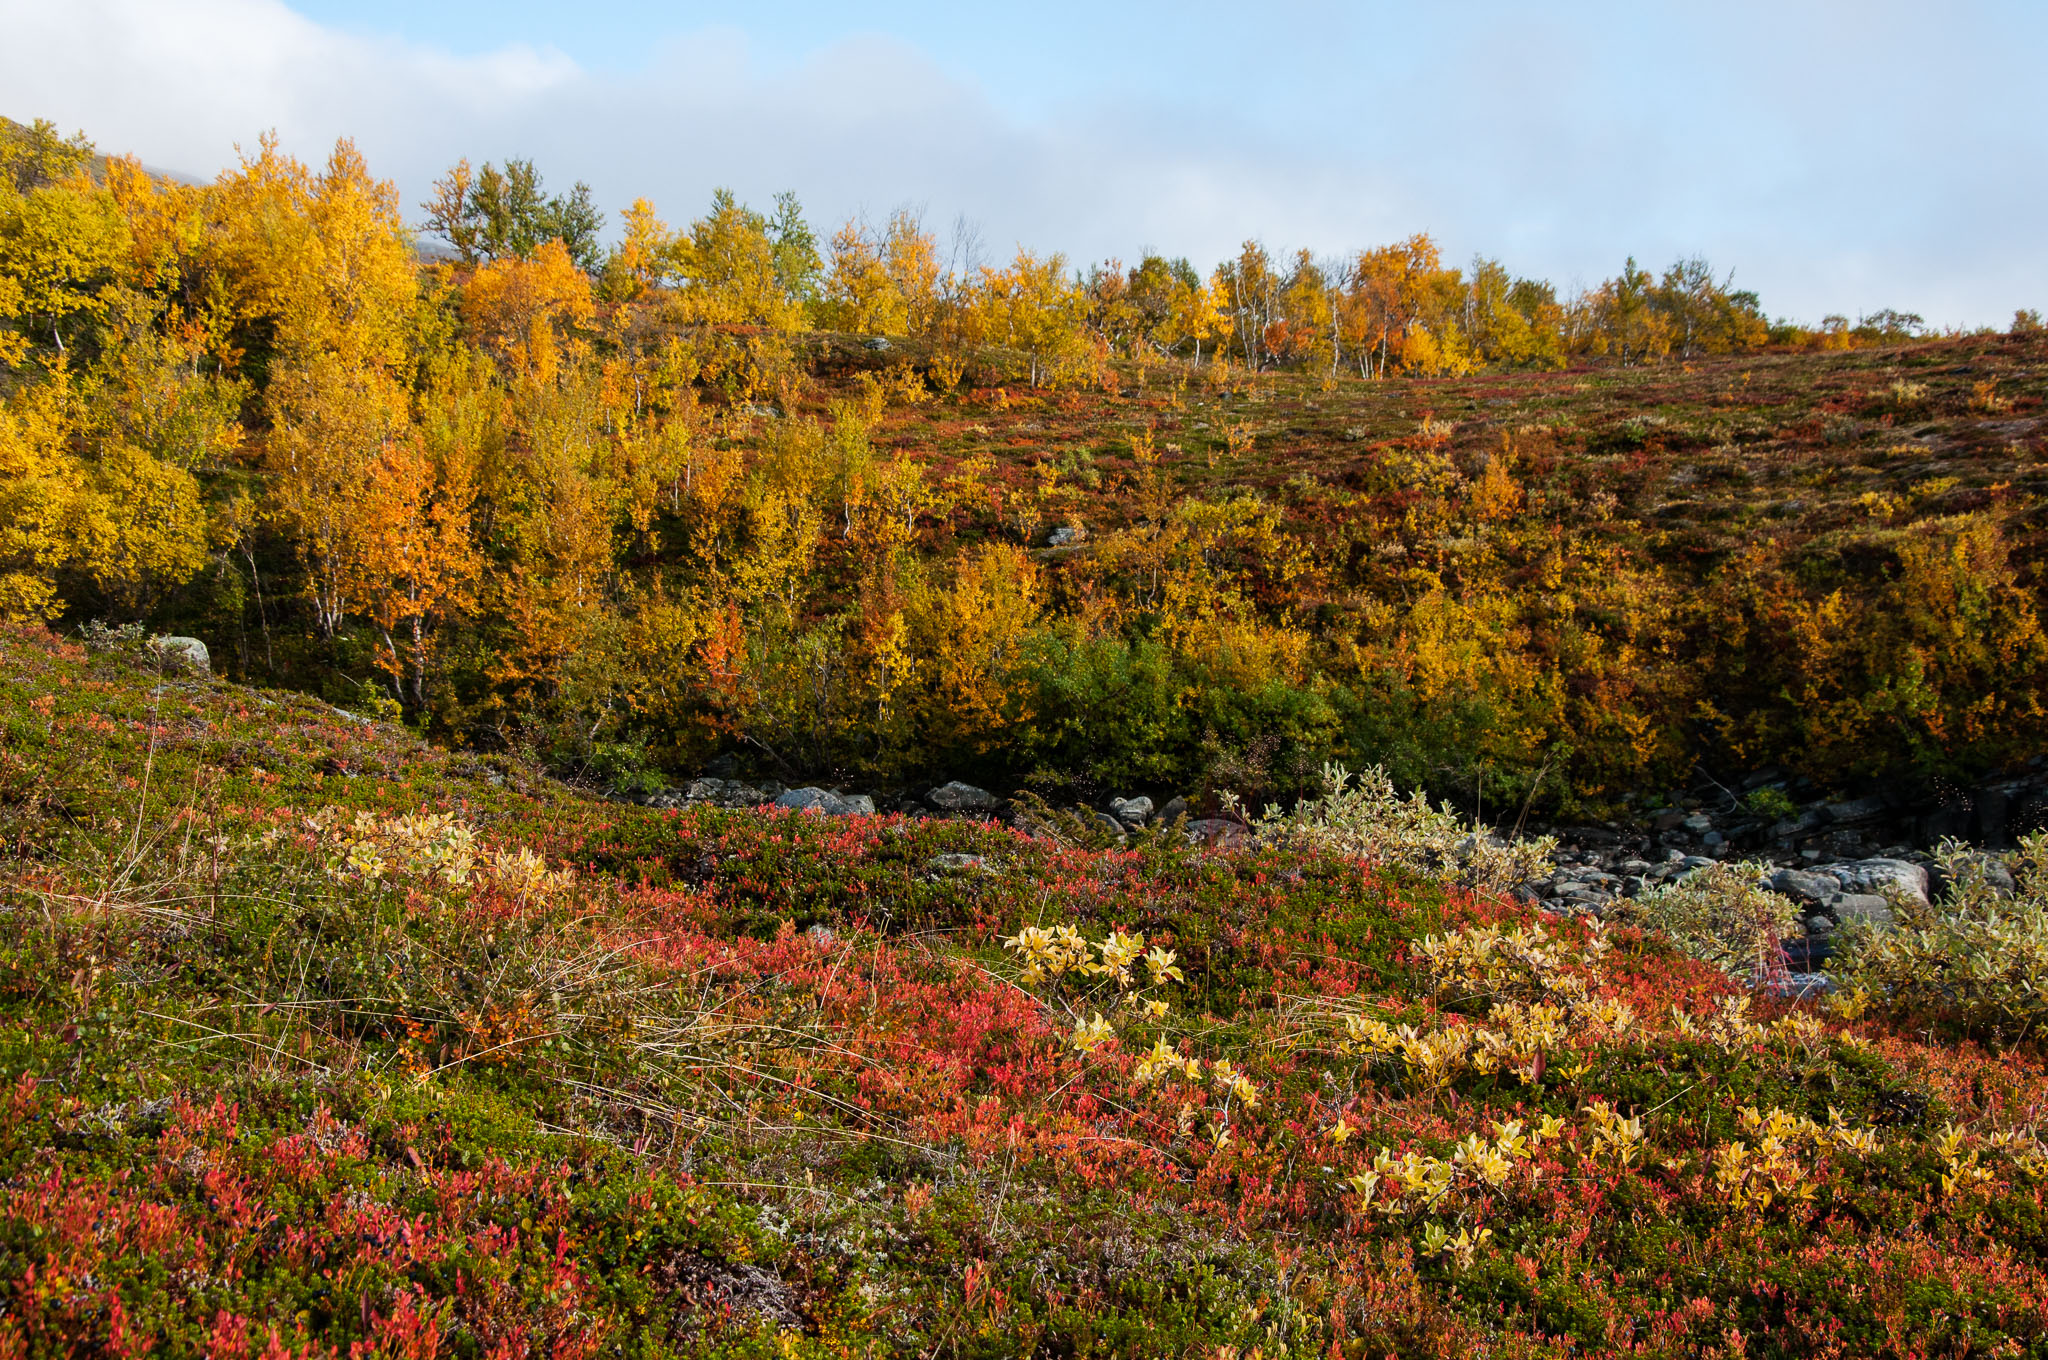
{"x": 1769, "y": 802}
{"x": 1721, "y": 915}
{"x": 1367, "y": 818}
{"x": 1978, "y": 957}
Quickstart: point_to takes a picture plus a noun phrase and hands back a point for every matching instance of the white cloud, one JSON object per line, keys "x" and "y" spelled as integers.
{"x": 1557, "y": 155}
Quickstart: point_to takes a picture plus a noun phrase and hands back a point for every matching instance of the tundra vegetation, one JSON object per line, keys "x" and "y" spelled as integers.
{"x": 338, "y": 1016}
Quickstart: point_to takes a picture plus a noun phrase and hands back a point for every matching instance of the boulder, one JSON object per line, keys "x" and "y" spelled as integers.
{"x": 959, "y": 797}
{"x": 1132, "y": 812}
{"x": 1855, "y": 810}
{"x": 1880, "y": 875}
{"x": 827, "y": 802}
{"x": 1801, "y": 886}
{"x": 186, "y": 654}
{"x": 1864, "y": 908}
{"x": 1175, "y": 808}
{"x": 1066, "y": 536}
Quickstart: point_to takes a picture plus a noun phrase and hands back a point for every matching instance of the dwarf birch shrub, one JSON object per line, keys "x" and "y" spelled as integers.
{"x": 1978, "y": 956}
{"x": 1721, "y": 915}
{"x": 1362, "y": 815}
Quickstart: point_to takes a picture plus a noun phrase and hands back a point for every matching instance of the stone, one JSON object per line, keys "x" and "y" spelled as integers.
{"x": 1175, "y": 809}
{"x": 1132, "y": 812}
{"x": 1713, "y": 838}
{"x": 959, "y": 797}
{"x": 727, "y": 793}
{"x": 1818, "y": 924}
{"x": 1864, "y": 908}
{"x": 1669, "y": 820}
{"x": 186, "y": 654}
{"x": 956, "y": 862}
{"x": 1887, "y": 874}
{"x": 1103, "y": 821}
{"x": 1801, "y": 886}
{"x": 825, "y": 801}
{"x": 1698, "y": 823}
{"x": 1810, "y": 820}
{"x": 1067, "y": 536}
{"x": 1855, "y": 810}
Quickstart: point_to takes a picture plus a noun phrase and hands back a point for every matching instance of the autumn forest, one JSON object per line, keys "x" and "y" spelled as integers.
{"x": 856, "y": 503}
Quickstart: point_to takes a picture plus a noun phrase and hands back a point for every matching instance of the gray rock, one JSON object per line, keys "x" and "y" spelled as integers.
{"x": 1863, "y": 908}
{"x": 1696, "y": 862}
{"x": 1175, "y": 807}
{"x": 1570, "y": 887}
{"x": 1713, "y": 838}
{"x": 1801, "y": 886}
{"x": 957, "y": 863}
{"x": 1810, "y": 820}
{"x": 727, "y": 793}
{"x": 959, "y": 797}
{"x": 1855, "y": 810}
{"x": 1698, "y": 823}
{"x": 187, "y": 654}
{"x": 1884, "y": 874}
{"x": 1103, "y": 821}
{"x": 827, "y": 802}
{"x": 1132, "y": 812}
{"x": 1818, "y": 924}
{"x": 1067, "y": 536}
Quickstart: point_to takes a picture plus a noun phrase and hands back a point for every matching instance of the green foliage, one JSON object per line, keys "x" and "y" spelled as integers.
{"x": 1769, "y": 801}
{"x": 1721, "y": 915}
{"x": 1977, "y": 959}
{"x": 1364, "y": 816}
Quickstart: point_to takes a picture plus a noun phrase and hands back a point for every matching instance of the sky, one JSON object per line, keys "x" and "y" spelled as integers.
{"x": 1838, "y": 156}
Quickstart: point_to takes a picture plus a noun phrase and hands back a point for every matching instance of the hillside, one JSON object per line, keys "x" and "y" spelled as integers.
{"x": 329, "y": 1041}
{"x": 734, "y": 499}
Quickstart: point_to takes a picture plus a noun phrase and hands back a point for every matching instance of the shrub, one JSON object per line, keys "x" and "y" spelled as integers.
{"x": 1370, "y": 820}
{"x": 1770, "y": 802}
{"x": 1721, "y": 915}
{"x": 1979, "y": 957}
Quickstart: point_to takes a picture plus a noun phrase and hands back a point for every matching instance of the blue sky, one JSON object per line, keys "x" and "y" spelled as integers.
{"x": 1838, "y": 156}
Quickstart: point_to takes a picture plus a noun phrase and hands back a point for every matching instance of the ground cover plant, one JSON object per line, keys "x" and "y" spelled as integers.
{"x": 322, "y": 1040}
